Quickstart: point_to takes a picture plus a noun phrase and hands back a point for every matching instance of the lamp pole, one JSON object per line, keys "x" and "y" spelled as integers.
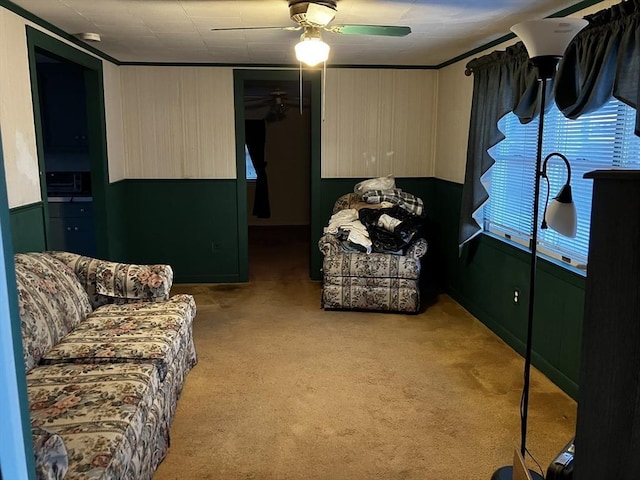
{"x": 524, "y": 407}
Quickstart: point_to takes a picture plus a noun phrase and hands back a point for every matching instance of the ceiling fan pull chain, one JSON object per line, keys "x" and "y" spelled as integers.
{"x": 324, "y": 86}
{"x": 300, "y": 96}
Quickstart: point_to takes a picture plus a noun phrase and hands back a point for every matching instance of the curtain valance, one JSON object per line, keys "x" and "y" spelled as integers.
{"x": 602, "y": 61}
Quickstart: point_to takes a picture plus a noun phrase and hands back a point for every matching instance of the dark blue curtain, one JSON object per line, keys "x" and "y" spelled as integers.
{"x": 502, "y": 82}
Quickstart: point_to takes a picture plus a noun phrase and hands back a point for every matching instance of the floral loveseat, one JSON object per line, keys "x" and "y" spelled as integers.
{"x": 106, "y": 352}
{"x": 370, "y": 280}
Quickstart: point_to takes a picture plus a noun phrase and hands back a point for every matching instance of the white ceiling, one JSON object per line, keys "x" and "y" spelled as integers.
{"x": 180, "y": 30}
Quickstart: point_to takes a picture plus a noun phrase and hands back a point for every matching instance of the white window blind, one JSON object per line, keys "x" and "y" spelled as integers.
{"x": 600, "y": 140}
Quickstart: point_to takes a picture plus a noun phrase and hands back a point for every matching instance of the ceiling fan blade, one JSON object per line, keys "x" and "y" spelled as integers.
{"x": 384, "y": 30}
{"x": 257, "y": 102}
{"x": 228, "y": 29}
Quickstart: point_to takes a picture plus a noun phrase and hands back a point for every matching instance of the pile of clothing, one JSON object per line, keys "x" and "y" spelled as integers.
{"x": 384, "y": 220}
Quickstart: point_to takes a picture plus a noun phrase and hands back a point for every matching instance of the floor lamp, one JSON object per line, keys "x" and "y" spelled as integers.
{"x": 545, "y": 40}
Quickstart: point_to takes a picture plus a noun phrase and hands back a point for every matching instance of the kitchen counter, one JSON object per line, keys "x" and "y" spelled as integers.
{"x": 76, "y": 199}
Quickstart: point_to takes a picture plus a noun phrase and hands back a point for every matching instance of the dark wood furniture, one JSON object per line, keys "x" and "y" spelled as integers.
{"x": 608, "y": 424}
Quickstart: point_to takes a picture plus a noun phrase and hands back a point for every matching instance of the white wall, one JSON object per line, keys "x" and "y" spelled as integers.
{"x": 178, "y": 122}
{"x": 16, "y": 113}
{"x": 379, "y": 122}
{"x": 454, "y": 110}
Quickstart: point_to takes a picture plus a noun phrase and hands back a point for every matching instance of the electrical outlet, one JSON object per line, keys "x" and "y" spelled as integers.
{"x": 215, "y": 247}
{"x": 516, "y": 296}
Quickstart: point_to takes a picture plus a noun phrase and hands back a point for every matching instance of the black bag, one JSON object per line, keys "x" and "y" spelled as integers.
{"x": 562, "y": 466}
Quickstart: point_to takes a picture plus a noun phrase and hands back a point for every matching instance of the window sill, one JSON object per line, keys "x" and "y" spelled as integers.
{"x": 581, "y": 272}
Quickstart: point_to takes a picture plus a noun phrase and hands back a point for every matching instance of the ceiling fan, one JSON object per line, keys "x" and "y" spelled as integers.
{"x": 314, "y": 16}
{"x": 276, "y": 104}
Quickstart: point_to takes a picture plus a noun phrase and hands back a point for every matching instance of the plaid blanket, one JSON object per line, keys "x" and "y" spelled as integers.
{"x": 404, "y": 200}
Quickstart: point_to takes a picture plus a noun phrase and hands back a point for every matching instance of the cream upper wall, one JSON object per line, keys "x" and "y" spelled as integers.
{"x": 16, "y": 113}
{"x": 178, "y": 122}
{"x": 379, "y": 122}
{"x": 454, "y": 110}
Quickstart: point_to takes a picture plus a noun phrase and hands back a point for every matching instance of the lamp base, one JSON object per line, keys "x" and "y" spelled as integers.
{"x": 507, "y": 473}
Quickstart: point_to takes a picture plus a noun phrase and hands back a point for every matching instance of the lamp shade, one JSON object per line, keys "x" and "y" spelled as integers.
{"x": 561, "y": 213}
{"x": 548, "y": 36}
{"x": 311, "y": 50}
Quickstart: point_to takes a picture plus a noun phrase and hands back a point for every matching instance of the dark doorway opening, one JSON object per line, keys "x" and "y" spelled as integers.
{"x": 279, "y": 241}
{"x": 67, "y": 165}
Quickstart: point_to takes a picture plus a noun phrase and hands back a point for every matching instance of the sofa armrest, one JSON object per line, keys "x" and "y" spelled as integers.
{"x": 329, "y": 244}
{"x": 134, "y": 282}
{"x": 111, "y": 282}
{"x": 417, "y": 248}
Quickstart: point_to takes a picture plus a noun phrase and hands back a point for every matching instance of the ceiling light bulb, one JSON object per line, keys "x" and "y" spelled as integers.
{"x": 311, "y": 50}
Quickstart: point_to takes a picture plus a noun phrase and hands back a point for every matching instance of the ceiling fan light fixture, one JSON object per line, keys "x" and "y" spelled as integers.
{"x": 311, "y": 50}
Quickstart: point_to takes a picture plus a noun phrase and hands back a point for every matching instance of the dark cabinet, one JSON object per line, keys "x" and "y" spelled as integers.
{"x": 608, "y": 424}
{"x": 71, "y": 227}
{"x": 63, "y": 107}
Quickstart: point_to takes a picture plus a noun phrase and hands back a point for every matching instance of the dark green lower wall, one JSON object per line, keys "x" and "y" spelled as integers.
{"x": 27, "y": 228}
{"x": 116, "y": 215}
{"x": 483, "y": 280}
{"x": 189, "y": 224}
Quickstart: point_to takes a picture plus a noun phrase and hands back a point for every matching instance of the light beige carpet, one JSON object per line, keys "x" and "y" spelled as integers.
{"x": 285, "y": 390}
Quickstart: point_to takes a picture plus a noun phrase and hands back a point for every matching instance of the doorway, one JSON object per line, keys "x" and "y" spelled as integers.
{"x": 67, "y": 166}
{"x": 78, "y": 144}
{"x": 278, "y": 210}
{"x": 278, "y": 240}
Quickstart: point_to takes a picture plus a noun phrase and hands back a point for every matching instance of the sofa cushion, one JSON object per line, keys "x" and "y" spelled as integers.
{"x": 51, "y": 301}
{"x": 134, "y": 332}
{"x": 99, "y": 411}
{"x": 376, "y": 265}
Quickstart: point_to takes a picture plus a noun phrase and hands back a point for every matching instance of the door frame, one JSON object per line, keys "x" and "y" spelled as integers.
{"x": 94, "y": 93}
{"x": 239, "y": 77}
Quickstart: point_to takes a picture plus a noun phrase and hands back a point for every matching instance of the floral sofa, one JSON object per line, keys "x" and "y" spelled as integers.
{"x": 106, "y": 351}
{"x": 369, "y": 281}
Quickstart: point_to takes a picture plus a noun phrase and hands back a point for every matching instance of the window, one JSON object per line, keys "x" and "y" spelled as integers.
{"x": 251, "y": 172}
{"x": 600, "y": 140}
